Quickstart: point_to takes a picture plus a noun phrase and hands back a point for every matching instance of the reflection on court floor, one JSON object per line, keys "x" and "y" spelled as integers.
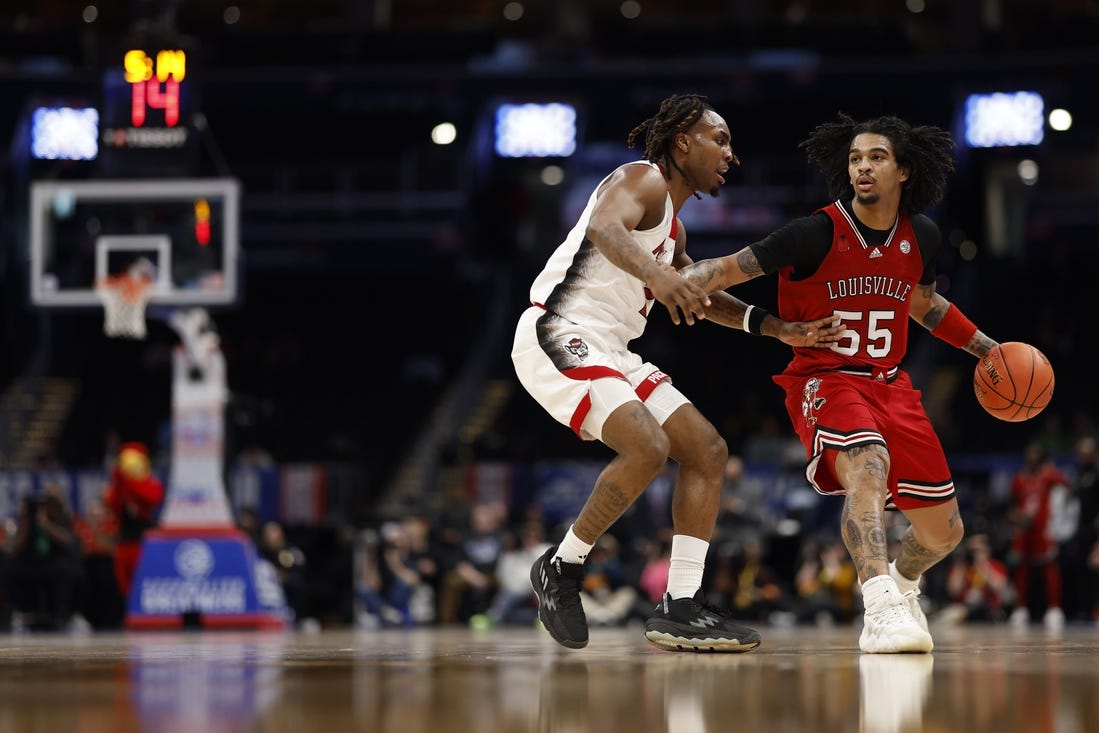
{"x": 979, "y": 678}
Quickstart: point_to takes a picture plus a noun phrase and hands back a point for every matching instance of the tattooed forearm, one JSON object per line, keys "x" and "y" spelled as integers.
{"x": 706, "y": 274}
{"x": 933, "y": 318}
{"x": 979, "y": 345}
{"x": 726, "y": 310}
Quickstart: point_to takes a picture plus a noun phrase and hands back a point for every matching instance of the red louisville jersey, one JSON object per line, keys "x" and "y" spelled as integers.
{"x": 868, "y": 287}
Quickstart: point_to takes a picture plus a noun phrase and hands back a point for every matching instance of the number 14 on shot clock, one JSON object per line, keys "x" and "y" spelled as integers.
{"x": 155, "y": 83}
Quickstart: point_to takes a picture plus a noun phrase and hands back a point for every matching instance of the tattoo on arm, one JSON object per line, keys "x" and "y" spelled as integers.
{"x": 979, "y": 345}
{"x": 703, "y": 274}
{"x": 726, "y": 310}
{"x": 748, "y": 263}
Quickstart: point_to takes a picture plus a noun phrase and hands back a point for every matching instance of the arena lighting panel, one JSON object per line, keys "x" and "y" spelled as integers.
{"x": 65, "y": 133}
{"x": 535, "y": 130}
{"x": 1004, "y": 119}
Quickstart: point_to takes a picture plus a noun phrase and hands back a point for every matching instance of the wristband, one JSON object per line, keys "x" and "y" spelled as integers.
{"x": 955, "y": 328}
{"x": 753, "y": 319}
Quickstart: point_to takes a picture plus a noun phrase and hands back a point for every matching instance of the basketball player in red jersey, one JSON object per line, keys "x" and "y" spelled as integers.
{"x": 868, "y": 259}
{"x": 571, "y": 353}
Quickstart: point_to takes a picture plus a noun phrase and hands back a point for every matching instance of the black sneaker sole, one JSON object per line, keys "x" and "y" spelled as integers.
{"x": 570, "y": 643}
{"x": 674, "y": 642}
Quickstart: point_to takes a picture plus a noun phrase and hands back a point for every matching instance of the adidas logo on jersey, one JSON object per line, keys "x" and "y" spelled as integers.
{"x": 875, "y": 253}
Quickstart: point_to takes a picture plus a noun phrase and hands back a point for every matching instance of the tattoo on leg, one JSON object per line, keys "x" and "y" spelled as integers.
{"x": 875, "y": 464}
{"x": 914, "y": 559}
{"x": 851, "y": 535}
{"x": 865, "y": 541}
{"x": 605, "y": 505}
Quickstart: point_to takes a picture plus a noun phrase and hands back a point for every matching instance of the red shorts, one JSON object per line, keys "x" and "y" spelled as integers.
{"x": 834, "y": 410}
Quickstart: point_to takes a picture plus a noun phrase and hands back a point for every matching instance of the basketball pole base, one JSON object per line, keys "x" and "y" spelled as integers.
{"x": 209, "y": 579}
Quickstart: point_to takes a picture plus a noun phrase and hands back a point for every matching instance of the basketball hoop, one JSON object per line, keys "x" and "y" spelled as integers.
{"x": 124, "y": 298}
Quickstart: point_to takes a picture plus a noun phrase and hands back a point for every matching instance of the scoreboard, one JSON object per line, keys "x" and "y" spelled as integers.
{"x": 149, "y": 103}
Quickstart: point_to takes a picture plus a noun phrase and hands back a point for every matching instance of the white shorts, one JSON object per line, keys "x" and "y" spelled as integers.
{"x": 569, "y": 371}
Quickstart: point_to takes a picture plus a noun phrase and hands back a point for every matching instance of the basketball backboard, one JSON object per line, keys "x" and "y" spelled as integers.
{"x": 86, "y": 230}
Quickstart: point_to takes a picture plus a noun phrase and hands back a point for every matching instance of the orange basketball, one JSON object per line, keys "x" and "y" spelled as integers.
{"x": 1014, "y": 382}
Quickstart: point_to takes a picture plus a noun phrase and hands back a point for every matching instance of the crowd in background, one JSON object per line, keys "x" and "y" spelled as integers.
{"x": 1031, "y": 554}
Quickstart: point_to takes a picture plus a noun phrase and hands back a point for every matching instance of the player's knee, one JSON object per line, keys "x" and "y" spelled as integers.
{"x": 713, "y": 454}
{"x": 955, "y": 533}
{"x": 650, "y": 453}
{"x": 943, "y": 537}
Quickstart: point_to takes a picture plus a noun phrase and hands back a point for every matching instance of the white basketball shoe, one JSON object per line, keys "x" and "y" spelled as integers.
{"x": 888, "y": 626}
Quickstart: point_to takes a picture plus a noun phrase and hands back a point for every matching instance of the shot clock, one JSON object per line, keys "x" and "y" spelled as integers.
{"x": 155, "y": 83}
{"x": 149, "y": 99}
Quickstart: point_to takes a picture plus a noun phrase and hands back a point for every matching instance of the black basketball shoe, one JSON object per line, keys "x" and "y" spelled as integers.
{"x": 557, "y": 585}
{"x": 693, "y": 625}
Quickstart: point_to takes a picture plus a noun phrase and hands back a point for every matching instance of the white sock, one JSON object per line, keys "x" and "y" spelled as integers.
{"x": 573, "y": 549}
{"x": 903, "y": 584}
{"x": 688, "y": 560}
{"x": 876, "y": 589}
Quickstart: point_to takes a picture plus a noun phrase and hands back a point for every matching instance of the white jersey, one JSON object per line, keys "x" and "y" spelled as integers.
{"x": 581, "y": 285}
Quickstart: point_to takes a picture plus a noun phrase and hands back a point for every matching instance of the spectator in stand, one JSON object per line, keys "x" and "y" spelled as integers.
{"x": 978, "y": 585}
{"x": 514, "y": 602}
{"x": 757, "y": 592}
{"x": 467, "y": 587}
{"x": 826, "y": 584}
{"x": 607, "y": 596}
{"x": 1082, "y": 549}
{"x": 101, "y": 602}
{"x": 248, "y": 522}
{"x": 653, "y": 580}
{"x": 44, "y": 571}
{"x": 1032, "y": 547}
{"x": 291, "y": 570}
{"x": 134, "y": 496}
{"x": 402, "y": 592}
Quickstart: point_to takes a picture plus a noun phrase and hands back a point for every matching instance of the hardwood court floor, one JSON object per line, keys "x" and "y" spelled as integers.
{"x": 979, "y": 678}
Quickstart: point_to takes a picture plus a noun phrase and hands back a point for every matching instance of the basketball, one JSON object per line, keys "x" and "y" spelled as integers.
{"x": 1013, "y": 382}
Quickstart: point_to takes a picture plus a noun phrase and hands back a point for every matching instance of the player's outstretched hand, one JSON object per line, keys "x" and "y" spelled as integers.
{"x": 685, "y": 301}
{"x": 818, "y": 334}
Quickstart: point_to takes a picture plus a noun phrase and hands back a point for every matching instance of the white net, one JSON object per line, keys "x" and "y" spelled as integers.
{"x": 124, "y": 298}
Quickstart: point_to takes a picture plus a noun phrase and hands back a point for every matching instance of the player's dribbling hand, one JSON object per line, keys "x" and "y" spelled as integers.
{"x": 818, "y": 334}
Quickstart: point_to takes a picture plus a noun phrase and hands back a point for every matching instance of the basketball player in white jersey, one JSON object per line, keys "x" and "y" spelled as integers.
{"x": 571, "y": 353}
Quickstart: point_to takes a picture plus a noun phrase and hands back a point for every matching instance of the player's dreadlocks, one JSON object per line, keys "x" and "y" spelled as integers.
{"x": 677, "y": 114}
{"x": 925, "y": 150}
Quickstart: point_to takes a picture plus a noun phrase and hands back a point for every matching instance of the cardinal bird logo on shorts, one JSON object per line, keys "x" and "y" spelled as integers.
{"x": 811, "y": 401}
{"x": 577, "y": 348}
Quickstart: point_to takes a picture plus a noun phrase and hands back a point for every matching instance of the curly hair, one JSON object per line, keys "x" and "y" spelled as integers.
{"x": 926, "y": 151}
{"x": 677, "y": 114}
